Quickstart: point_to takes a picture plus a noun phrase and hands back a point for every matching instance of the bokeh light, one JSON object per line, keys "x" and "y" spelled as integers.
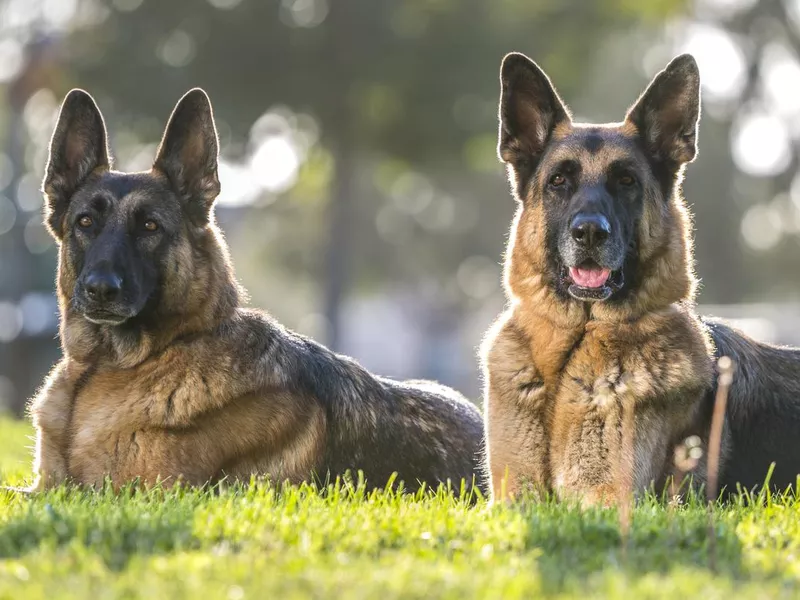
{"x": 303, "y": 13}
{"x": 720, "y": 59}
{"x": 761, "y": 144}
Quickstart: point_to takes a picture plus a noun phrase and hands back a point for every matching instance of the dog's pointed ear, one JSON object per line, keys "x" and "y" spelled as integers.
{"x": 668, "y": 112}
{"x": 79, "y": 147}
{"x": 188, "y": 154}
{"x": 529, "y": 110}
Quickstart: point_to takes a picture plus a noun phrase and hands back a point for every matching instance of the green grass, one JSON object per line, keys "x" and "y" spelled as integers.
{"x": 253, "y": 542}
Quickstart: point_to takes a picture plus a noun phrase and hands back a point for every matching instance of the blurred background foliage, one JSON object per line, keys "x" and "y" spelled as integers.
{"x": 361, "y": 193}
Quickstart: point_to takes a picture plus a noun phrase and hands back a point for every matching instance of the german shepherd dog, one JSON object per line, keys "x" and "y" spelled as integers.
{"x": 600, "y": 281}
{"x": 166, "y": 377}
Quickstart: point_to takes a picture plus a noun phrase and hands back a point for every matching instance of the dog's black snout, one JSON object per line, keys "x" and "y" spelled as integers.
{"x": 590, "y": 230}
{"x": 102, "y": 287}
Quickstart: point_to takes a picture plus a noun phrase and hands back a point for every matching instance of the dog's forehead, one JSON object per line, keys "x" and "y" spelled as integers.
{"x": 594, "y": 147}
{"x": 124, "y": 191}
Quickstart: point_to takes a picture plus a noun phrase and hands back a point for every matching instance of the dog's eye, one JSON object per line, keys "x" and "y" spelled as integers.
{"x": 557, "y": 180}
{"x": 150, "y": 225}
{"x": 626, "y": 180}
{"x": 85, "y": 221}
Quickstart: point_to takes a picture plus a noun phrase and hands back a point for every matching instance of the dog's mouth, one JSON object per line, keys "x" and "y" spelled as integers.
{"x": 591, "y": 282}
{"x": 104, "y": 317}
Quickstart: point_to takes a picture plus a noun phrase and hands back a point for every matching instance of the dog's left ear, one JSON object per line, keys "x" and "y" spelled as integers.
{"x": 188, "y": 154}
{"x": 668, "y": 112}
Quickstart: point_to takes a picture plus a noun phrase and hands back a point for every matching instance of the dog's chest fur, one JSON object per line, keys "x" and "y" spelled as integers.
{"x": 561, "y": 393}
{"x": 134, "y": 423}
{"x": 106, "y": 438}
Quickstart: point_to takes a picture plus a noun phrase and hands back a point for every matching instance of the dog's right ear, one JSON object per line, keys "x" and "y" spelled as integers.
{"x": 529, "y": 110}
{"x": 79, "y": 146}
{"x": 188, "y": 154}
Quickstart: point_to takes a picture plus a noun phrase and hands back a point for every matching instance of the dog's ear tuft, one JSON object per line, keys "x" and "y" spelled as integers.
{"x": 668, "y": 112}
{"x": 79, "y": 146}
{"x": 188, "y": 154}
{"x": 529, "y": 110}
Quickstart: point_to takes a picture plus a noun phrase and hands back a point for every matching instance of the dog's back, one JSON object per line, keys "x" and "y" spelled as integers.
{"x": 424, "y": 435}
{"x": 425, "y": 432}
{"x": 763, "y": 413}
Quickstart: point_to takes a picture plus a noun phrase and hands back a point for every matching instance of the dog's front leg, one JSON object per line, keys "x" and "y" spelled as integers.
{"x": 517, "y": 447}
{"x": 50, "y": 410}
{"x": 517, "y": 406}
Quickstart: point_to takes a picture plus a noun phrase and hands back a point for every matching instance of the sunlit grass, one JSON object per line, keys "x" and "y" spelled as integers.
{"x": 257, "y": 541}
{"x": 16, "y": 448}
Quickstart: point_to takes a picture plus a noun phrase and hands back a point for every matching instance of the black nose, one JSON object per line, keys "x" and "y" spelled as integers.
{"x": 102, "y": 287}
{"x": 590, "y": 230}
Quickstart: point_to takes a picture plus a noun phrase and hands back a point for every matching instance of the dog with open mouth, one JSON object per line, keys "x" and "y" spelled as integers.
{"x": 600, "y": 367}
{"x": 599, "y": 276}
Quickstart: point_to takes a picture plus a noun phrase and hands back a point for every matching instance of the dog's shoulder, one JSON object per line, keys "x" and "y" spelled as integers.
{"x": 511, "y": 374}
{"x": 52, "y": 402}
{"x": 504, "y": 343}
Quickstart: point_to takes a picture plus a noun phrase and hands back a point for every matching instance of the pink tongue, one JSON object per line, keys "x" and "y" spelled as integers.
{"x": 589, "y": 278}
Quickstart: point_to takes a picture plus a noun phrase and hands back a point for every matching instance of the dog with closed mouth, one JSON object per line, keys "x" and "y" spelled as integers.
{"x": 166, "y": 377}
{"x": 600, "y": 280}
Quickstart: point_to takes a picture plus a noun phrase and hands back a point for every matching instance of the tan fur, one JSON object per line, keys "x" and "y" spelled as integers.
{"x": 150, "y": 422}
{"x": 51, "y": 414}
